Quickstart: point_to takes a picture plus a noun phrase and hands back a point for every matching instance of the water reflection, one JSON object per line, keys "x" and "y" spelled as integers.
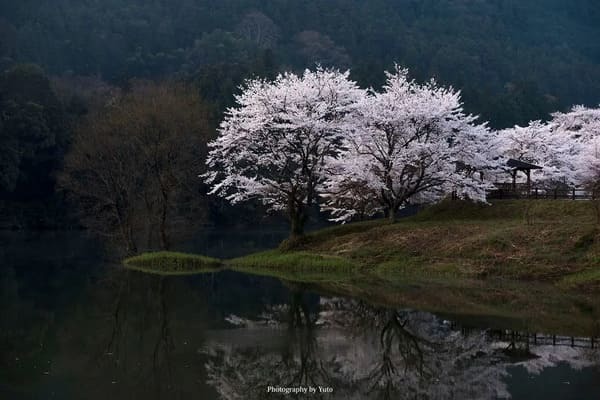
{"x": 367, "y": 352}
{"x": 140, "y": 345}
{"x": 124, "y": 336}
{"x": 74, "y": 327}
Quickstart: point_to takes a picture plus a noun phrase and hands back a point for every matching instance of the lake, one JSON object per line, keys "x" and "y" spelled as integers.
{"x": 75, "y": 326}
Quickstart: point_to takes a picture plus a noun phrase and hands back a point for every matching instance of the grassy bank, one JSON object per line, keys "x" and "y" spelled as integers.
{"x": 533, "y": 264}
{"x": 171, "y": 263}
{"x": 298, "y": 266}
{"x": 549, "y": 241}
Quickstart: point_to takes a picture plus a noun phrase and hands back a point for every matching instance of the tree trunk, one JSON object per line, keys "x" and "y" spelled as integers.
{"x": 164, "y": 237}
{"x": 130, "y": 242}
{"x": 596, "y": 205}
{"x": 392, "y": 215}
{"x": 296, "y": 216}
{"x": 297, "y": 228}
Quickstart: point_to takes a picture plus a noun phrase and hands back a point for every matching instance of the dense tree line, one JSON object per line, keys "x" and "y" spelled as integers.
{"x": 121, "y": 160}
{"x": 65, "y": 62}
{"x": 318, "y": 140}
{"x": 515, "y": 60}
{"x": 34, "y": 136}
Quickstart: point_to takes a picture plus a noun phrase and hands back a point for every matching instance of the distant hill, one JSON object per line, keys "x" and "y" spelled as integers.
{"x": 515, "y": 60}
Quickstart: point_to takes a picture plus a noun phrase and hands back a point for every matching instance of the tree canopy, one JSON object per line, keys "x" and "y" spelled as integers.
{"x": 274, "y": 145}
{"x": 512, "y": 63}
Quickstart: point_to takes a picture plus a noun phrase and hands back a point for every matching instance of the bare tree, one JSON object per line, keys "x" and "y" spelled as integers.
{"x": 259, "y": 29}
{"x": 134, "y": 163}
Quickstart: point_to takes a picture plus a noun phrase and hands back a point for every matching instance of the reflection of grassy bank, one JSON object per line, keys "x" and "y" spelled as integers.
{"x": 297, "y": 266}
{"x": 171, "y": 263}
{"x": 533, "y": 307}
{"x": 535, "y": 262}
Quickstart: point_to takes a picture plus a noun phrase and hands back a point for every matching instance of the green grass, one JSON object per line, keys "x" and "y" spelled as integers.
{"x": 542, "y": 240}
{"x": 298, "y": 266}
{"x": 291, "y": 265}
{"x": 172, "y": 263}
{"x": 522, "y": 240}
{"x": 535, "y": 265}
{"x": 588, "y": 277}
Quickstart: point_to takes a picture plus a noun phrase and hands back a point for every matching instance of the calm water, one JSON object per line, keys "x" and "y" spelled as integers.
{"x": 75, "y": 327}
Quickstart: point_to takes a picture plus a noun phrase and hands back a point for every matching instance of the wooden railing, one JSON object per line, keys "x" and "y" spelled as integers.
{"x": 534, "y": 339}
{"x": 524, "y": 338}
{"x": 523, "y": 192}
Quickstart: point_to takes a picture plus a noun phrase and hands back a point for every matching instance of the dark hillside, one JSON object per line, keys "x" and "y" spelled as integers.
{"x": 514, "y": 60}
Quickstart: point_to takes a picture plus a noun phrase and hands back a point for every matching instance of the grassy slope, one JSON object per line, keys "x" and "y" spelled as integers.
{"x": 298, "y": 266}
{"x": 534, "y": 263}
{"x": 550, "y": 241}
{"x": 553, "y": 241}
{"x": 524, "y": 261}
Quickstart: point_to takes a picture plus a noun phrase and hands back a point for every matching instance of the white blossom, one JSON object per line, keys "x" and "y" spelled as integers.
{"x": 580, "y": 128}
{"x": 272, "y": 146}
{"x": 537, "y": 144}
{"x": 411, "y": 143}
{"x": 566, "y": 147}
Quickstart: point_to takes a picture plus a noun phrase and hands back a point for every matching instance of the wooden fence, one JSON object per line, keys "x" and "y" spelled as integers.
{"x": 523, "y": 192}
{"x": 533, "y": 339}
{"x": 527, "y": 339}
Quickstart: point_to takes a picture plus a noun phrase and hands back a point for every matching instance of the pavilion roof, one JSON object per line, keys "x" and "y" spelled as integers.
{"x": 521, "y": 165}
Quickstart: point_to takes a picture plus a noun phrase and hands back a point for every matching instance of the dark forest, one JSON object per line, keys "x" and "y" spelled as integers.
{"x": 514, "y": 61}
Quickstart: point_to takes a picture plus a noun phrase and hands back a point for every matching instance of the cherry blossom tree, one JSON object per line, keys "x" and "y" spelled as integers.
{"x": 273, "y": 145}
{"x": 529, "y": 143}
{"x": 566, "y": 146}
{"x": 581, "y": 124}
{"x": 580, "y": 128}
{"x": 540, "y": 144}
{"x": 412, "y": 143}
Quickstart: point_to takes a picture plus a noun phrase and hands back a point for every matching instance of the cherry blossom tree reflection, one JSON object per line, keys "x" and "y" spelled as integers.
{"x": 368, "y": 352}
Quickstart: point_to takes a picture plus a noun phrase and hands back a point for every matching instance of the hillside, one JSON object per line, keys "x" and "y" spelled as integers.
{"x": 555, "y": 242}
{"x": 522, "y": 240}
{"x": 533, "y": 263}
{"x": 511, "y": 63}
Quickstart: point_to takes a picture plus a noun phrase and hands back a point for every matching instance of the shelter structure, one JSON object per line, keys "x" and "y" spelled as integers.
{"x": 517, "y": 166}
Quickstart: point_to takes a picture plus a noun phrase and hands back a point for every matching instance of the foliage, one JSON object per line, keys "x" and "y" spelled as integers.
{"x": 580, "y": 128}
{"x": 298, "y": 138}
{"x": 513, "y": 64}
{"x": 133, "y": 165}
{"x": 273, "y": 146}
{"x": 566, "y": 147}
{"x": 411, "y": 144}
{"x": 536, "y": 144}
{"x": 33, "y": 132}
